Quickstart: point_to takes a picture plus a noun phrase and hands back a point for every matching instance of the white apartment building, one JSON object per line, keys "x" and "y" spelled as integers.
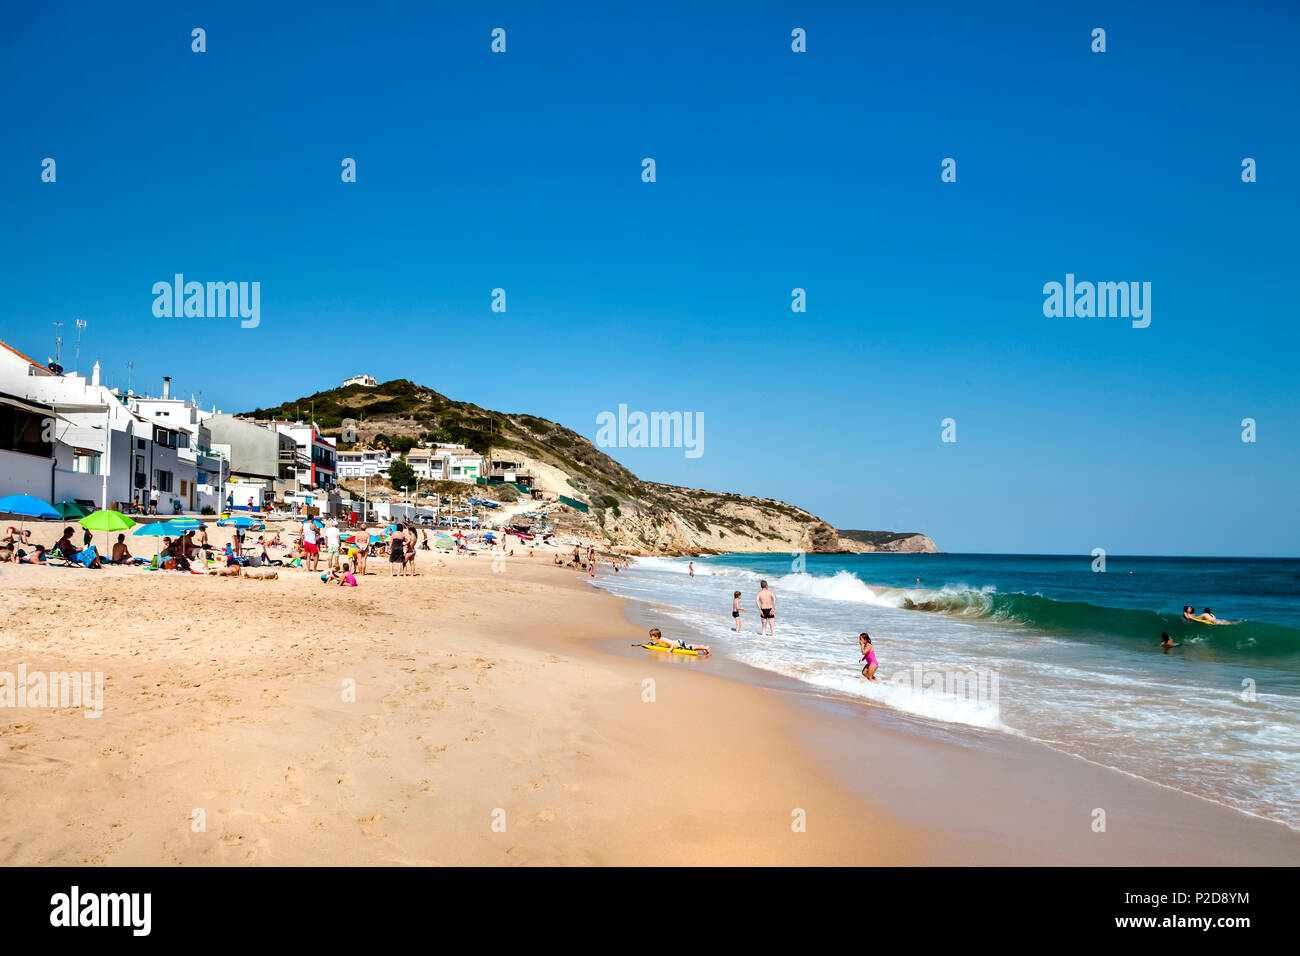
{"x": 445, "y": 462}
{"x": 362, "y": 463}
{"x": 99, "y": 442}
{"x": 201, "y": 470}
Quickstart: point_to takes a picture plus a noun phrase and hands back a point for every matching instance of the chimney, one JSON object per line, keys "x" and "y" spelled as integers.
{"x": 94, "y": 375}
{"x": 167, "y": 387}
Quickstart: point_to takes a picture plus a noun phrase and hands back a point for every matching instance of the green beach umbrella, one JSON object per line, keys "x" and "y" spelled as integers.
{"x": 70, "y": 509}
{"x": 106, "y": 521}
{"x": 186, "y": 524}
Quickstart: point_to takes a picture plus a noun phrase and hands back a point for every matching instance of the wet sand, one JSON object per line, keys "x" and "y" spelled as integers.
{"x": 500, "y": 717}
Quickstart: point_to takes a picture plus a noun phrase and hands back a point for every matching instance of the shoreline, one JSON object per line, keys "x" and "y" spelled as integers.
{"x": 485, "y": 696}
{"x": 922, "y": 772}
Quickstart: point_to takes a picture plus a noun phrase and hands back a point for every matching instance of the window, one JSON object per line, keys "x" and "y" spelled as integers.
{"x": 85, "y": 461}
{"x": 163, "y": 479}
{"x": 24, "y": 432}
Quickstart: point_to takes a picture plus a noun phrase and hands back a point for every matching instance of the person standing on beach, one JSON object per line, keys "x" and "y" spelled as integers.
{"x": 362, "y": 543}
{"x": 409, "y": 534}
{"x": 153, "y": 500}
{"x": 201, "y": 539}
{"x": 396, "y": 560}
{"x": 332, "y": 544}
{"x": 310, "y": 546}
{"x": 766, "y": 602}
{"x": 690, "y": 566}
{"x": 735, "y": 611}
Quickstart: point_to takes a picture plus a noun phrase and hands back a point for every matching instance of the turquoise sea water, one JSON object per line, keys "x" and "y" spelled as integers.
{"x": 1039, "y": 646}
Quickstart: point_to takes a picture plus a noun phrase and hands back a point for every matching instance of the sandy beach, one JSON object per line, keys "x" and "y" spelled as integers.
{"x": 500, "y": 717}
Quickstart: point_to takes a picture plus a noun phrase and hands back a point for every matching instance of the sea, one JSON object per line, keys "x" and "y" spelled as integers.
{"x": 1044, "y": 647}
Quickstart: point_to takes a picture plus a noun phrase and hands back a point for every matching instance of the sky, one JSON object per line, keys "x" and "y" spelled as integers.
{"x": 774, "y": 170}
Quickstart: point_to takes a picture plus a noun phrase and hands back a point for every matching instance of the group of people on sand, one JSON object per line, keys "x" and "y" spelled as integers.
{"x": 344, "y": 561}
{"x": 588, "y": 564}
{"x": 17, "y": 547}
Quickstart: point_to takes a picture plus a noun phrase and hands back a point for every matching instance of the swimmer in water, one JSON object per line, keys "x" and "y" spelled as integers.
{"x": 868, "y": 655}
{"x": 1167, "y": 642}
{"x": 1205, "y": 617}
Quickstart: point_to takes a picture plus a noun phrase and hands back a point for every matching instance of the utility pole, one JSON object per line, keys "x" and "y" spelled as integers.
{"x": 76, "y": 356}
{"x": 108, "y": 455}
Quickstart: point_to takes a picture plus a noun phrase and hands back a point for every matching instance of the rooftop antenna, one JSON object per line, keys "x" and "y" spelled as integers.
{"x": 58, "y": 341}
{"x": 76, "y": 356}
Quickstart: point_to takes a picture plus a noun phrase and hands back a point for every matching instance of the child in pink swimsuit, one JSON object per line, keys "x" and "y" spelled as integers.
{"x": 868, "y": 655}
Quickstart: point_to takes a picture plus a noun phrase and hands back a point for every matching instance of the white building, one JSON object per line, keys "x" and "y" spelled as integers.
{"x": 27, "y": 448}
{"x": 445, "y": 462}
{"x": 201, "y": 469}
{"x": 100, "y": 443}
{"x": 317, "y": 465}
{"x": 367, "y": 380}
{"x": 362, "y": 463}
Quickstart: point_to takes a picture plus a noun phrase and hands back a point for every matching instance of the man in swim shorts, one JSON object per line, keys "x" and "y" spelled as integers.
{"x": 310, "y": 546}
{"x": 766, "y": 609}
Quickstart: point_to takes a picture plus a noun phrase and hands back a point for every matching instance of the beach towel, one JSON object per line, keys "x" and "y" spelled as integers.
{"x": 85, "y": 558}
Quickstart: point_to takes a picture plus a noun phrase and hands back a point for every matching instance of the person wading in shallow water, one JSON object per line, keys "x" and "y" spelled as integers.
{"x": 766, "y": 602}
{"x": 868, "y": 656}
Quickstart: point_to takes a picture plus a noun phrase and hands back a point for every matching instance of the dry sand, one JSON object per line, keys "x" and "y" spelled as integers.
{"x": 490, "y": 695}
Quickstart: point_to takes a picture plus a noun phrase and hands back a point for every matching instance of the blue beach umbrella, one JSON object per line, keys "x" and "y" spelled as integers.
{"x": 186, "y": 524}
{"x": 27, "y": 506}
{"x": 156, "y": 529}
{"x": 240, "y": 521}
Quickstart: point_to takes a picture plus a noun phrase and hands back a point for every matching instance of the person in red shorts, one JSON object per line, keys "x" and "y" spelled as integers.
{"x": 310, "y": 545}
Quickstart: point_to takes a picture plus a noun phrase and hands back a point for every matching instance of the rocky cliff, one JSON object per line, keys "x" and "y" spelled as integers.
{"x": 624, "y": 511}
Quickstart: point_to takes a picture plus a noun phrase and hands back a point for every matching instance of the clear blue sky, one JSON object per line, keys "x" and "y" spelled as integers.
{"x": 775, "y": 170}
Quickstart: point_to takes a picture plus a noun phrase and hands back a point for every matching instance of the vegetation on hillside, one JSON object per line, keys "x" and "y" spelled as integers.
{"x": 397, "y": 414}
